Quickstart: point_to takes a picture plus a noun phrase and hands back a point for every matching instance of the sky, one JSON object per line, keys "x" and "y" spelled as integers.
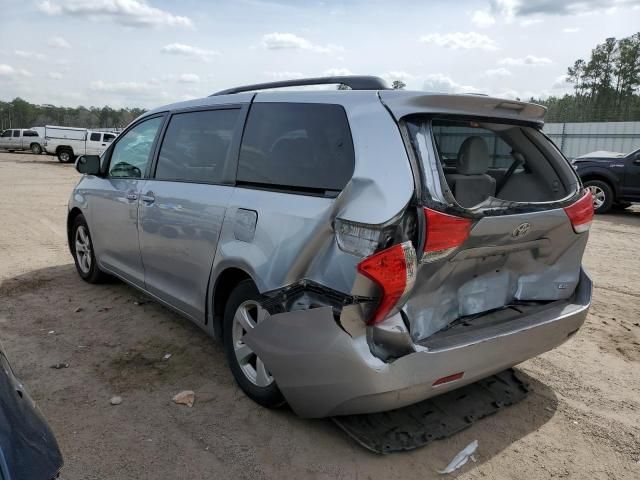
{"x": 146, "y": 53}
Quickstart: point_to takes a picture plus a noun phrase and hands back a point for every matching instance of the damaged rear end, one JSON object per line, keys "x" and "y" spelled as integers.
{"x": 479, "y": 271}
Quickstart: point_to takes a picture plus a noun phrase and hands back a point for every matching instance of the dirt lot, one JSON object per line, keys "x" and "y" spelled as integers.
{"x": 582, "y": 419}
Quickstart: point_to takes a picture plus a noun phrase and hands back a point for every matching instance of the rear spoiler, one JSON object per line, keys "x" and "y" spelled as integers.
{"x": 402, "y": 103}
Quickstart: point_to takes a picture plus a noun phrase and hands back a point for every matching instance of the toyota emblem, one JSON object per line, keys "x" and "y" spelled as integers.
{"x": 521, "y": 230}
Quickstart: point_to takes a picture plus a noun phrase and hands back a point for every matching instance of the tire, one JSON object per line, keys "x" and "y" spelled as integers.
{"x": 65, "y": 156}
{"x": 36, "y": 149}
{"x": 85, "y": 258}
{"x": 259, "y": 387}
{"x": 602, "y": 195}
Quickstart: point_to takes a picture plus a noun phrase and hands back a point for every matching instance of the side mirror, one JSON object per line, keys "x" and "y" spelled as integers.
{"x": 88, "y": 164}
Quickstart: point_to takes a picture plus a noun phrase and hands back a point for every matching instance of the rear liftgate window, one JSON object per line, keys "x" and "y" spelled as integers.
{"x": 481, "y": 160}
{"x": 304, "y": 148}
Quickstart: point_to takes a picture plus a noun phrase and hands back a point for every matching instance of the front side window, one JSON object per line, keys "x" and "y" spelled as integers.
{"x": 95, "y": 137}
{"x": 108, "y": 138}
{"x": 6, "y": 133}
{"x": 131, "y": 154}
{"x": 196, "y": 146}
{"x": 297, "y": 146}
{"x": 16, "y": 133}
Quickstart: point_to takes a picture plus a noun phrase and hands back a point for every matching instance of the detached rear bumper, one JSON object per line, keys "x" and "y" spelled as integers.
{"x": 323, "y": 371}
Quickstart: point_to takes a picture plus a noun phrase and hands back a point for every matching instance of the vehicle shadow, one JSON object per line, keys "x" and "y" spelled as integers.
{"x": 628, "y": 217}
{"x": 115, "y": 341}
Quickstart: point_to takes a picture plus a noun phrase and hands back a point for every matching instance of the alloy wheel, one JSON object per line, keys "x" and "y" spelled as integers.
{"x": 247, "y": 316}
{"x": 598, "y": 196}
{"x": 83, "y": 249}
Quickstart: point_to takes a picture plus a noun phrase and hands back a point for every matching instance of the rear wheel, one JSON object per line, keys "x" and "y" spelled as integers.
{"x": 242, "y": 313}
{"x": 65, "y": 156}
{"x": 83, "y": 255}
{"x": 36, "y": 149}
{"x": 602, "y": 195}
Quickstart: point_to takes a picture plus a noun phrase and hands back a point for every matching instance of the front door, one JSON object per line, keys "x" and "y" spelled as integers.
{"x": 114, "y": 203}
{"x": 182, "y": 206}
{"x": 5, "y": 139}
{"x": 93, "y": 144}
{"x": 631, "y": 189}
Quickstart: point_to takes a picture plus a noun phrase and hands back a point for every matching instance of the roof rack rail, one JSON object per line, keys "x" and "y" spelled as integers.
{"x": 355, "y": 82}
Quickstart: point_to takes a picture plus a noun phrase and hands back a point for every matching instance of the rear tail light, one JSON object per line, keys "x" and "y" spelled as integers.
{"x": 444, "y": 233}
{"x": 581, "y": 213}
{"x": 394, "y": 270}
{"x": 448, "y": 378}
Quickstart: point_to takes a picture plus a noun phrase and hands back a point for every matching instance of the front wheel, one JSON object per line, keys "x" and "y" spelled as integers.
{"x": 83, "y": 255}
{"x": 602, "y": 195}
{"x": 241, "y": 314}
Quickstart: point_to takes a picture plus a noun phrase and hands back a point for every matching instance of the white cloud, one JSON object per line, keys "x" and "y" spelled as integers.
{"x": 121, "y": 87}
{"x": 498, "y": 72}
{"x": 482, "y": 19}
{"x": 290, "y": 41}
{"x": 439, "y": 82}
{"x": 511, "y": 8}
{"x": 528, "y": 60}
{"x": 136, "y": 13}
{"x": 571, "y": 30}
{"x": 457, "y": 40}
{"x": 25, "y": 54}
{"x": 189, "y": 51}
{"x": 7, "y": 71}
{"x": 284, "y": 75}
{"x": 561, "y": 82}
{"x": 55, "y": 75}
{"x": 398, "y": 75}
{"x": 58, "y": 42}
{"x": 189, "y": 78}
{"x": 337, "y": 72}
{"x": 527, "y": 22}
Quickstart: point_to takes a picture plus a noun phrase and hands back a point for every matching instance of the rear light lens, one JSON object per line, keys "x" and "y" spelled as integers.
{"x": 357, "y": 238}
{"x": 394, "y": 270}
{"x": 448, "y": 378}
{"x": 581, "y": 213}
{"x": 444, "y": 233}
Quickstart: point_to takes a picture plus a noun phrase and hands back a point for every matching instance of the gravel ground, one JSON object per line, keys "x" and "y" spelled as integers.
{"x": 582, "y": 419}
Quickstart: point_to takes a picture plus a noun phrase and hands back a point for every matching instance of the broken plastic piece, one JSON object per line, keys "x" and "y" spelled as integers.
{"x": 461, "y": 458}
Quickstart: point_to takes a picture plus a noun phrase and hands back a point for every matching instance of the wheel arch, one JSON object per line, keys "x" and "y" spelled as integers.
{"x": 608, "y": 178}
{"x": 71, "y": 217}
{"x": 224, "y": 284}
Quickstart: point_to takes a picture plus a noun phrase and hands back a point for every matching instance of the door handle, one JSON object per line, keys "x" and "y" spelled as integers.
{"x": 148, "y": 198}
{"x": 132, "y": 196}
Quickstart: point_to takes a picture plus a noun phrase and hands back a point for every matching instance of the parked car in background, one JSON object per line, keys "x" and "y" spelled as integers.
{"x": 357, "y": 250}
{"x": 67, "y": 143}
{"x": 613, "y": 178}
{"x": 18, "y": 139}
{"x": 28, "y": 449}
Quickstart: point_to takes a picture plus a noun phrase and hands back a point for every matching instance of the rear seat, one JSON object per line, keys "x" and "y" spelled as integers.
{"x": 471, "y": 184}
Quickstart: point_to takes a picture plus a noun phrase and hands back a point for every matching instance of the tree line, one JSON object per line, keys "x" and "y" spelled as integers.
{"x": 21, "y": 114}
{"x": 605, "y": 87}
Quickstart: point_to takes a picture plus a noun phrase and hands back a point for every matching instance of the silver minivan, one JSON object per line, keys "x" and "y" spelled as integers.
{"x": 357, "y": 250}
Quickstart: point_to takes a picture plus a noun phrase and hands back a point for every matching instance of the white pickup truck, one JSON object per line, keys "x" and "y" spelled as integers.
{"x": 68, "y": 143}
{"x": 21, "y": 139}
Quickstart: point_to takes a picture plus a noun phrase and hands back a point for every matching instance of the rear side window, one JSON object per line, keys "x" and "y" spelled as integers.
{"x": 16, "y": 133}
{"x": 30, "y": 133}
{"x": 95, "y": 137}
{"x": 196, "y": 146}
{"x": 297, "y": 146}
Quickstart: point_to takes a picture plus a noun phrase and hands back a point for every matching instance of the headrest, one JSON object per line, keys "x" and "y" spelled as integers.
{"x": 473, "y": 157}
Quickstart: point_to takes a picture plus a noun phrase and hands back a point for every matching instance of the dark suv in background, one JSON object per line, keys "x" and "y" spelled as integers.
{"x": 614, "y": 181}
